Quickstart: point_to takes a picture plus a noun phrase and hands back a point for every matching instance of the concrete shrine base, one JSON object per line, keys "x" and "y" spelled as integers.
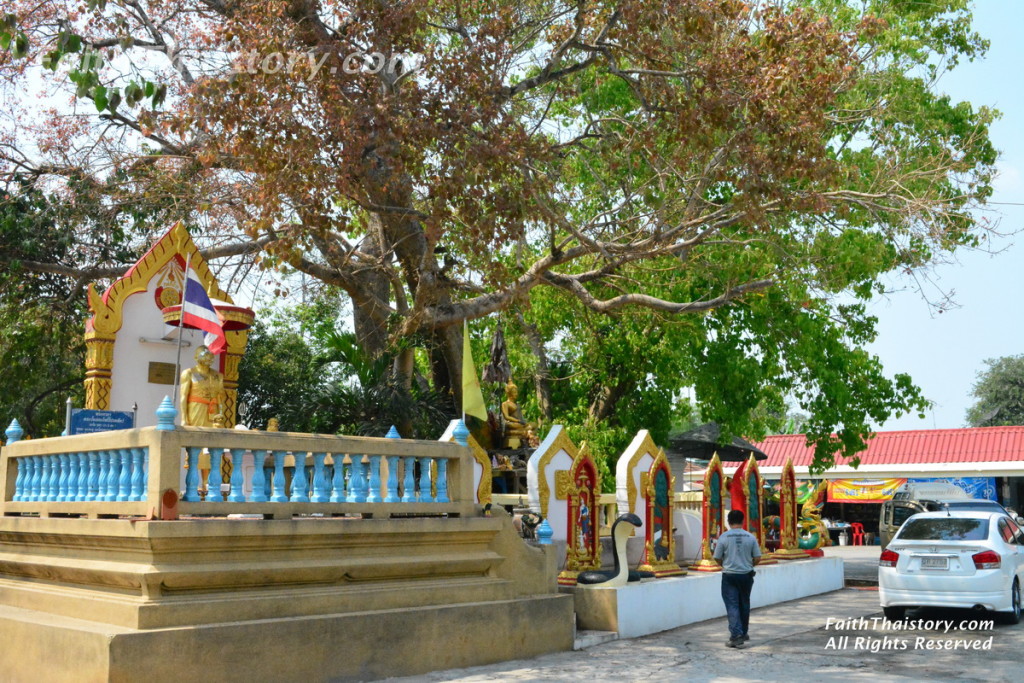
{"x": 654, "y": 605}
{"x": 270, "y": 600}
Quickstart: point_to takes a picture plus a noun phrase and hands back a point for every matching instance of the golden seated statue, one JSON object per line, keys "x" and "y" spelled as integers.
{"x": 517, "y": 430}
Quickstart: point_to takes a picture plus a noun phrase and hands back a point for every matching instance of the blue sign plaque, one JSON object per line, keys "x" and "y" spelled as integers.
{"x": 84, "y": 421}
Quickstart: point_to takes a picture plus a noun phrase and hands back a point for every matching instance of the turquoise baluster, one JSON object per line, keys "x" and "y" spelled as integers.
{"x": 46, "y": 487}
{"x": 64, "y": 465}
{"x": 19, "y": 480}
{"x": 14, "y": 433}
{"x": 425, "y": 496}
{"x": 104, "y": 492}
{"x": 409, "y": 484}
{"x": 138, "y": 474}
{"x": 192, "y": 475}
{"x": 237, "y": 476}
{"x": 300, "y": 482}
{"x": 35, "y": 474}
{"x": 259, "y": 477}
{"x": 216, "y": 477}
{"x": 94, "y": 477}
{"x": 54, "y": 492}
{"x": 72, "y": 476}
{"x": 357, "y": 485}
{"x": 338, "y": 490}
{"x": 278, "y": 493}
{"x": 83, "y": 477}
{"x": 114, "y": 475}
{"x": 392, "y": 493}
{"x": 54, "y": 477}
{"x": 374, "y": 492}
{"x": 321, "y": 493}
{"x": 124, "y": 482}
{"x": 442, "y": 480}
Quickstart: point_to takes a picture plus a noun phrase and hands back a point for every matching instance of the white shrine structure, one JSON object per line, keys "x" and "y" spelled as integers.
{"x": 132, "y": 336}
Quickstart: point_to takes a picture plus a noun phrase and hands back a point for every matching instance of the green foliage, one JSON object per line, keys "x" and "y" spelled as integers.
{"x": 998, "y": 394}
{"x": 300, "y": 369}
{"x": 42, "y": 346}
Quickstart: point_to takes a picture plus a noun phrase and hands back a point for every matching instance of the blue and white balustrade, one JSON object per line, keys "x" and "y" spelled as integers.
{"x": 101, "y": 475}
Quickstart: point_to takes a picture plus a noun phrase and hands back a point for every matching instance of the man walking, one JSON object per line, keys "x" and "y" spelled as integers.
{"x": 737, "y": 551}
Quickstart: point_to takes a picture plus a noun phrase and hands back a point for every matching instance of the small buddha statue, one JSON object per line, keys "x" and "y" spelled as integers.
{"x": 517, "y": 430}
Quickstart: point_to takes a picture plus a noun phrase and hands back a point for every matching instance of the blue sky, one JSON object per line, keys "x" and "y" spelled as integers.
{"x": 944, "y": 352}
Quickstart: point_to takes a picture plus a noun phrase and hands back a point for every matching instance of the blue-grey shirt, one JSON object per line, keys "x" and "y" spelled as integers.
{"x": 736, "y": 551}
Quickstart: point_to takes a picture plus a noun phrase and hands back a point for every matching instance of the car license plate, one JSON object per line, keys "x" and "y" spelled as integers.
{"x": 934, "y": 562}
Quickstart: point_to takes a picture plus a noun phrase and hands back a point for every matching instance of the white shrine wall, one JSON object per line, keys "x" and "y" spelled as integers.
{"x": 141, "y": 341}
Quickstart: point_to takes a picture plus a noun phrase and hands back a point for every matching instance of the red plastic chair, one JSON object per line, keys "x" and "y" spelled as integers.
{"x": 858, "y": 533}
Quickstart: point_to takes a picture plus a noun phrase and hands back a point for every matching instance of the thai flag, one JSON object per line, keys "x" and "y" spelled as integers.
{"x": 197, "y": 312}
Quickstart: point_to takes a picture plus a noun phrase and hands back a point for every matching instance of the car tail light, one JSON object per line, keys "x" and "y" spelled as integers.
{"x": 888, "y": 558}
{"x": 989, "y": 559}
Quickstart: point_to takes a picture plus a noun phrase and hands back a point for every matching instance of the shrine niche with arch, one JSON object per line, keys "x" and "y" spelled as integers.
{"x": 130, "y": 357}
{"x": 580, "y": 487}
{"x": 788, "y": 543}
{"x": 746, "y": 492}
{"x": 657, "y": 485}
{"x": 712, "y": 515}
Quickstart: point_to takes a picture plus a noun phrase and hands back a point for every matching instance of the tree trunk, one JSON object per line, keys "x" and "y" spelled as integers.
{"x": 603, "y": 406}
{"x": 542, "y": 372}
{"x": 369, "y": 317}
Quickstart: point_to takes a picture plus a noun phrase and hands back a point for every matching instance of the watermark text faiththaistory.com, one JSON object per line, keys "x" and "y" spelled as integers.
{"x": 306, "y": 65}
{"x": 938, "y": 635}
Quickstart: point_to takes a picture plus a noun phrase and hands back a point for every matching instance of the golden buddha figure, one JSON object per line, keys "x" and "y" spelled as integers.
{"x": 517, "y": 430}
{"x": 202, "y": 402}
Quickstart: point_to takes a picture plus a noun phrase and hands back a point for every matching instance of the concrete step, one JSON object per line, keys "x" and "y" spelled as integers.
{"x": 585, "y": 639}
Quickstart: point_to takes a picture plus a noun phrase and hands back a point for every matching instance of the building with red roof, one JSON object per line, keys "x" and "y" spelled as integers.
{"x": 940, "y": 453}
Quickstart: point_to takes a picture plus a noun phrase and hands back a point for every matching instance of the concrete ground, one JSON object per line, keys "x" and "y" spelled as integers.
{"x": 797, "y": 640}
{"x": 860, "y": 562}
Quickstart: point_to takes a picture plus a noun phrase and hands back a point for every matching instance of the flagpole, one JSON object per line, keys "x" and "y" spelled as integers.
{"x": 181, "y": 331}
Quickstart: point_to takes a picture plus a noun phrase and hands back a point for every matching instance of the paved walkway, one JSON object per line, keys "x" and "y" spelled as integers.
{"x": 794, "y": 640}
{"x": 697, "y": 652}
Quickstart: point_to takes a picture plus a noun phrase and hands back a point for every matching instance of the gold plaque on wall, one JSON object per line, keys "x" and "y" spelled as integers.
{"x": 161, "y": 373}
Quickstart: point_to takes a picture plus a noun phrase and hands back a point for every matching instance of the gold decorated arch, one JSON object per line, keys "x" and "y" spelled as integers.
{"x": 165, "y": 261}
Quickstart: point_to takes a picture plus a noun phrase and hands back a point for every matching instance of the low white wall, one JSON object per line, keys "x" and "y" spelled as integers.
{"x": 651, "y": 606}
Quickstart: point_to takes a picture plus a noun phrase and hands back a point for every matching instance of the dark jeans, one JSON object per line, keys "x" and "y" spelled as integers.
{"x": 736, "y": 596}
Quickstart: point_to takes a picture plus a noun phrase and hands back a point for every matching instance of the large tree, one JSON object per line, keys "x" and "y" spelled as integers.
{"x": 729, "y": 180}
{"x": 998, "y": 394}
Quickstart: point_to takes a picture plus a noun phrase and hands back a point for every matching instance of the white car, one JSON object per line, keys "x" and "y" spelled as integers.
{"x": 954, "y": 559}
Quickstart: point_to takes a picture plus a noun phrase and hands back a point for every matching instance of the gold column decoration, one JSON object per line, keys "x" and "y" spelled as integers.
{"x": 788, "y": 546}
{"x": 755, "y": 504}
{"x": 711, "y": 513}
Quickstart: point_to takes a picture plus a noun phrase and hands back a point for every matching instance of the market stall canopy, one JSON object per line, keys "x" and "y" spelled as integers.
{"x": 703, "y": 442}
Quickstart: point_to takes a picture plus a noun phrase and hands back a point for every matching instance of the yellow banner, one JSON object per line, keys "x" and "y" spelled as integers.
{"x": 863, "y": 490}
{"x": 472, "y": 397}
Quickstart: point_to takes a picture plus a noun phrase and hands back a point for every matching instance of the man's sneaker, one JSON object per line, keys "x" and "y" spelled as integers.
{"x": 736, "y": 643}
{"x": 745, "y": 637}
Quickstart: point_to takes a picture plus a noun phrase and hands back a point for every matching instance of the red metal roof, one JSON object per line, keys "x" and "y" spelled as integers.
{"x": 918, "y": 447}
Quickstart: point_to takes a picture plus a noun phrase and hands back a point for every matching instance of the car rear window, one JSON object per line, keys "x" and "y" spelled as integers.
{"x": 973, "y": 505}
{"x": 944, "y": 529}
